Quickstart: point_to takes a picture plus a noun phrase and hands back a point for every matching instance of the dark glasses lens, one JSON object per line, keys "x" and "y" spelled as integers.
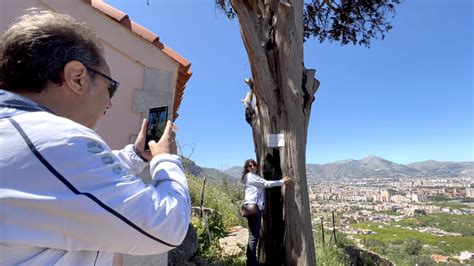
{"x": 113, "y": 86}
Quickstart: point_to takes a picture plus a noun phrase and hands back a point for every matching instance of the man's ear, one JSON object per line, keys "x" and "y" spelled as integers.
{"x": 75, "y": 74}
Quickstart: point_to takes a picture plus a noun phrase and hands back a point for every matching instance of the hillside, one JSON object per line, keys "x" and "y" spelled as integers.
{"x": 213, "y": 175}
{"x": 234, "y": 171}
{"x": 444, "y": 168}
{"x": 371, "y": 166}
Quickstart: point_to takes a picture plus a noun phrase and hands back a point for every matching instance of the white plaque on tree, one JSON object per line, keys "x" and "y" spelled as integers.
{"x": 275, "y": 140}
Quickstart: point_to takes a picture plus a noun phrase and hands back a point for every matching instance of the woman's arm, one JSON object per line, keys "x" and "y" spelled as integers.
{"x": 255, "y": 180}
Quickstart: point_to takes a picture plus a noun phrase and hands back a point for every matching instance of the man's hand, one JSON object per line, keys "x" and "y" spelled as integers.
{"x": 140, "y": 142}
{"x": 167, "y": 143}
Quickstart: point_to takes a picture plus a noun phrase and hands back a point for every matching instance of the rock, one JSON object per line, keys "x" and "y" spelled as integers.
{"x": 232, "y": 243}
{"x": 183, "y": 254}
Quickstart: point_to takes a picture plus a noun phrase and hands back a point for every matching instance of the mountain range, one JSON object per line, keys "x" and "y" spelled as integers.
{"x": 371, "y": 166}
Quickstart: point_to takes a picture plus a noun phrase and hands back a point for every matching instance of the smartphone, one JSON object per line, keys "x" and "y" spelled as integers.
{"x": 157, "y": 118}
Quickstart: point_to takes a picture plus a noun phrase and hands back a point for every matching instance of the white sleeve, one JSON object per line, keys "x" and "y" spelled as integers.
{"x": 257, "y": 181}
{"x": 131, "y": 159}
{"x": 97, "y": 203}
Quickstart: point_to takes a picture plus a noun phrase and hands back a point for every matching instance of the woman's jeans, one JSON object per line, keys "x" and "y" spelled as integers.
{"x": 254, "y": 234}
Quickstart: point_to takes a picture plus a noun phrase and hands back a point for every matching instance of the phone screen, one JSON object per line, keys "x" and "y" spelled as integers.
{"x": 157, "y": 118}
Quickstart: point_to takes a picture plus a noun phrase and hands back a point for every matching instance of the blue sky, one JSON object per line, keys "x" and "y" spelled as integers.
{"x": 408, "y": 98}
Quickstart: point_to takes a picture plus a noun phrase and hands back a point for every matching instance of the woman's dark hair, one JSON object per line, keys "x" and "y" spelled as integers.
{"x": 246, "y": 168}
{"x": 35, "y": 49}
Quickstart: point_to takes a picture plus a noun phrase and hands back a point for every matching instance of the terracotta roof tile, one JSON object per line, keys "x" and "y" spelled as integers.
{"x": 184, "y": 65}
{"x": 107, "y": 9}
{"x": 145, "y": 33}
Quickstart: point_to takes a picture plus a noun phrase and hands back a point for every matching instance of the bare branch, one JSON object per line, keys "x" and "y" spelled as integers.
{"x": 248, "y": 102}
{"x": 285, "y": 3}
{"x": 202, "y": 195}
{"x": 329, "y": 4}
{"x": 312, "y": 83}
{"x": 181, "y": 153}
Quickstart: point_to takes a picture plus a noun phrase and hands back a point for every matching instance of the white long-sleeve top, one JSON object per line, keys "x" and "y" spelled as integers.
{"x": 254, "y": 188}
{"x": 67, "y": 199}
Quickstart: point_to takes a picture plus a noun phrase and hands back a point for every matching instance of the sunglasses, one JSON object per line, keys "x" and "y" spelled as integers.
{"x": 113, "y": 86}
{"x": 252, "y": 165}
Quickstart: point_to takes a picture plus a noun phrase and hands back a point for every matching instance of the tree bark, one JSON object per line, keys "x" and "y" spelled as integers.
{"x": 272, "y": 32}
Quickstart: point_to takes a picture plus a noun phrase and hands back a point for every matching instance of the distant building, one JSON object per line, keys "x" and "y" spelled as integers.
{"x": 376, "y": 197}
{"x": 470, "y": 192}
{"x": 356, "y": 198}
{"x": 399, "y": 199}
{"x": 418, "y": 197}
{"x": 385, "y": 196}
{"x": 465, "y": 255}
{"x": 312, "y": 194}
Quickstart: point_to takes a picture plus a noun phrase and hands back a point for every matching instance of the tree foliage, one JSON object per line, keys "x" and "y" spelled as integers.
{"x": 344, "y": 21}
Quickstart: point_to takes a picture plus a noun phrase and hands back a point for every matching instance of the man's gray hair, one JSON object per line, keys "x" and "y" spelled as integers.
{"x": 35, "y": 49}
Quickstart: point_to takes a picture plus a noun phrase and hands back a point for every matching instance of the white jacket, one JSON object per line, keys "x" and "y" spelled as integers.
{"x": 67, "y": 199}
{"x": 254, "y": 188}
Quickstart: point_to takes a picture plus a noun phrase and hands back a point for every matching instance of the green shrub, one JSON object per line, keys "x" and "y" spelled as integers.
{"x": 328, "y": 253}
{"x": 377, "y": 246}
{"x": 407, "y": 247}
{"x": 223, "y": 200}
{"x": 412, "y": 247}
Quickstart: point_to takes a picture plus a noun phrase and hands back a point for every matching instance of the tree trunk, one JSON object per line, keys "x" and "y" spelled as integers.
{"x": 272, "y": 32}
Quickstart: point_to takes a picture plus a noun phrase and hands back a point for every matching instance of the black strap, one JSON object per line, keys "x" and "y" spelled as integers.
{"x": 75, "y": 190}
{"x": 96, "y": 257}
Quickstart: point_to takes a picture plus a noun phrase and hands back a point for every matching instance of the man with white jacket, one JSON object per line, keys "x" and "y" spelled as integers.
{"x": 65, "y": 197}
